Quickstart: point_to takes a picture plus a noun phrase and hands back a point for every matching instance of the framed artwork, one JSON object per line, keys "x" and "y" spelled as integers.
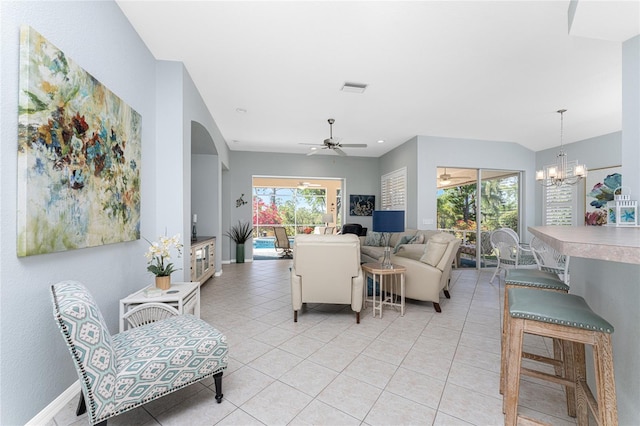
{"x": 78, "y": 155}
{"x": 600, "y": 185}
{"x": 362, "y": 205}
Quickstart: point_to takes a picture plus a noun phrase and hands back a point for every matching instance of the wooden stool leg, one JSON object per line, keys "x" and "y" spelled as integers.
{"x": 580, "y": 372}
{"x": 503, "y": 341}
{"x": 568, "y": 372}
{"x": 512, "y": 371}
{"x": 605, "y": 381}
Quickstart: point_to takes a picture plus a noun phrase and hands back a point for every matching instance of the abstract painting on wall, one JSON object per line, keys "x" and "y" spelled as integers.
{"x": 362, "y": 205}
{"x": 600, "y": 187}
{"x": 78, "y": 155}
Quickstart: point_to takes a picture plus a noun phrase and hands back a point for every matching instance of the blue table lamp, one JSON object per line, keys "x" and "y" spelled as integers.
{"x": 387, "y": 221}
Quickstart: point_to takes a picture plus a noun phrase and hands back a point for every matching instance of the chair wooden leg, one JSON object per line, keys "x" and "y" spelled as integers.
{"x": 82, "y": 406}
{"x": 436, "y": 306}
{"x": 217, "y": 379}
{"x": 447, "y": 294}
{"x": 357, "y": 317}
{"x": 295, "y": 316}
{"x": 580, "y": 372}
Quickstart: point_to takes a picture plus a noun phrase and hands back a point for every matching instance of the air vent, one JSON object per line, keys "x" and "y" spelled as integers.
{"x": 354, "y": 87}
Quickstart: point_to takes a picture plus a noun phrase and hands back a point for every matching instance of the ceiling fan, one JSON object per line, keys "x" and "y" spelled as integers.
{"x": 446, "y": 179}
{"x": 304, "y": 185}
{"x": 334, "y": 144}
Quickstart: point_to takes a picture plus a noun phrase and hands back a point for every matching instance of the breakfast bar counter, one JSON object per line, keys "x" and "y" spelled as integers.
{"x": 618, "y": 244}
{"x": 605, "y": 270}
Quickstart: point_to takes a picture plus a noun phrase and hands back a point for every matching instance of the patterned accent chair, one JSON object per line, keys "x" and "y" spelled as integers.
{"x": 121, "y": 372}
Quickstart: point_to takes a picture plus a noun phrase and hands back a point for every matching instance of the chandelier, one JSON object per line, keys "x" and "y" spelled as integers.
{"x": 560, "y": 173}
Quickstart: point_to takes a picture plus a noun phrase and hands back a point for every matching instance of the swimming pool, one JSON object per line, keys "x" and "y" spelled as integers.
{"x": 266, "y": 242}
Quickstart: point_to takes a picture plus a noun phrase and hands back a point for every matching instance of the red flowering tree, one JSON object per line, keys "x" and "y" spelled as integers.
{"x": 265, "y": 214}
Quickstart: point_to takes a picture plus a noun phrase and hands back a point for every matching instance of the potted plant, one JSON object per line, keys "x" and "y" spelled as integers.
{"x": 240, "y": 233}
{"x": 158, "y": 257}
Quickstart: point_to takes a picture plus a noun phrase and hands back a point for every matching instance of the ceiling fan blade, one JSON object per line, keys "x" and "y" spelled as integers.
{"x": 340, "y": 152}
{"x": 353, "y": 145}
{"x": 315, "y": 151}
{"x": 311, "y": 144}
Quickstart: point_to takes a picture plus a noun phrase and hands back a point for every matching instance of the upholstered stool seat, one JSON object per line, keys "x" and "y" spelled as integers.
{"x": 541, "y": 280}
{"x": 535, "y": 278}
{"x": 569, "y": 317}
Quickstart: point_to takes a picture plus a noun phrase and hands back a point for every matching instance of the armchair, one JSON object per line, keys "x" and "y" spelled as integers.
{"x": 121, "y": 372}
{"x": 326, "y": 269}
{"x": 510, "y": 253}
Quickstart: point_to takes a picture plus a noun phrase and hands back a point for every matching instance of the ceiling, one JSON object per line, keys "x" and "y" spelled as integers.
{"x": 271, "y": 73}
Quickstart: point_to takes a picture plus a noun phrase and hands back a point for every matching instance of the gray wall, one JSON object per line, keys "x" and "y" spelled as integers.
{"x": 35, "y": 366}
{"x": 452, "y": 152}
{"x": 362, "y": 176}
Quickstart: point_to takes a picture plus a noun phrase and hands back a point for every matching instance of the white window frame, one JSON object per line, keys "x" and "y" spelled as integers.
{"x": 393, "y": 190}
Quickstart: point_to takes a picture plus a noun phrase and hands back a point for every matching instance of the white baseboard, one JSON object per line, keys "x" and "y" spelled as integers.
{"x": 48, "y": 413}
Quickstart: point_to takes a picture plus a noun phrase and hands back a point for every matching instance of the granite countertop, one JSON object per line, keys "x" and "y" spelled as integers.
{"x": 617, "y": 244}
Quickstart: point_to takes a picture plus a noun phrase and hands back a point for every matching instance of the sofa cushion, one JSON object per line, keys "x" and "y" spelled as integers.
{"x": 396, "y": 236}
{"x": 374, "y": 239}
{"x": 405, "y": 239}
{"x": 436, "y": 246}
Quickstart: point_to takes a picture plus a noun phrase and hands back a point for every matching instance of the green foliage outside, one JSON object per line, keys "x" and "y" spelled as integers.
{"x": 498, "y": 203}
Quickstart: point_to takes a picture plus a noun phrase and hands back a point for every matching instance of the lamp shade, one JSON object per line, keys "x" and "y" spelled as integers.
{"x": 388, "y": 220}
{"x": 327, "y": 217}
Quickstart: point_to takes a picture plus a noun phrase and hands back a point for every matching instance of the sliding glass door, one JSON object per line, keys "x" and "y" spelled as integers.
{"x": 472, "y": 214}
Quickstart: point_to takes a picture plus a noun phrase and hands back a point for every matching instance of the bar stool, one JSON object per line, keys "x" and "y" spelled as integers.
{"x": 541, "y": 280}
{"x": 566, "y": 317}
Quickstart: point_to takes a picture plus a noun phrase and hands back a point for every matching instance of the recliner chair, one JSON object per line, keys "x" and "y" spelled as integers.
{"x": 326, "y": 269}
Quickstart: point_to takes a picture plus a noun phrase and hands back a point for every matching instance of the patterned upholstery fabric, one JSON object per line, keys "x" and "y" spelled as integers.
{"x": 120, "y": 372}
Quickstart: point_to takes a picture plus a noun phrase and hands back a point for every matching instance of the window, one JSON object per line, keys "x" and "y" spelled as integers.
{"x": 559, "y": 206}
{"x": 393, "y": 190}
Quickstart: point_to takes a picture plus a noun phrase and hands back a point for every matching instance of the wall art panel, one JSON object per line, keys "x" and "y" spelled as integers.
{"x": 79, "y": 149}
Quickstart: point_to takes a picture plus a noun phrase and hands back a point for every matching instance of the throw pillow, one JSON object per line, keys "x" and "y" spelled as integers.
{"x": 436, "y": 246}
{"x": 405, "y": 239}
{"x": 419, "y": 239}
{"x": 373, "y": 239}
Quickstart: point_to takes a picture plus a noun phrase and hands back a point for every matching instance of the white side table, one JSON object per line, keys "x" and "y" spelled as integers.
{"x": 185, "y": 297}
{"x": 388, "y": 280}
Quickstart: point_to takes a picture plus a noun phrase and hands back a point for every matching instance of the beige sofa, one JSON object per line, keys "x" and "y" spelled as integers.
{"x": 372, "y": 253}
{"x": 428, "y": 264}
{"x": 326, "y": 269}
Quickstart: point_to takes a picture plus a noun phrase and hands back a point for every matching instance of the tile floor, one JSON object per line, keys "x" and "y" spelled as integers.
{"x": 421, "y": 369}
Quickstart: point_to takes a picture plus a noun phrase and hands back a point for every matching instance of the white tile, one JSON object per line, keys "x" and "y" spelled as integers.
{"x": 239, "y": 418}
{"x": 275, "y": 362}
{"x": 351, "y": 396}
{"x": 470, "y": 406}
{"x": 200, "y": 409}
{"x": 392, "y": 409}
{"x": 319, "y": 413}
{"x": 417, "y": 387}
{"x": 243, "y": 384}
{"x": 309, "y": 377}
{"x": 278, "y": 404}
{"x": 371, "y": 370}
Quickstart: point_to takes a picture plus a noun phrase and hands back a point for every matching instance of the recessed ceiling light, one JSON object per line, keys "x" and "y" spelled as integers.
{"x": 354, "y": 87}
{"x": 380, "y": 141}
{"x": 241, "y": 110}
